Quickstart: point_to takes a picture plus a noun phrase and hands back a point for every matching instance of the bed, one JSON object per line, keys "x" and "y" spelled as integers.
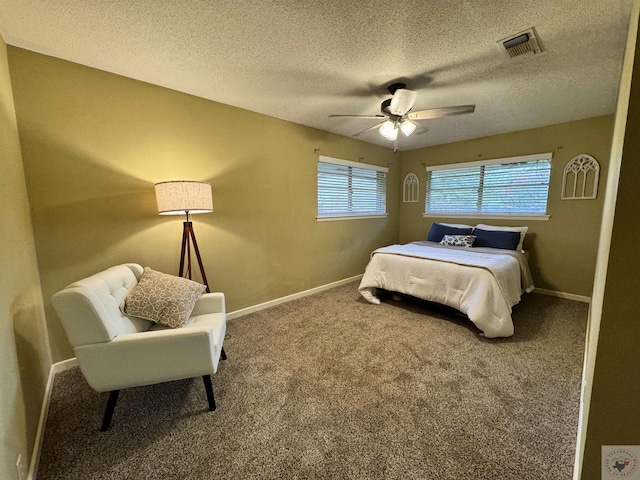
{"x": 482, "y": 282}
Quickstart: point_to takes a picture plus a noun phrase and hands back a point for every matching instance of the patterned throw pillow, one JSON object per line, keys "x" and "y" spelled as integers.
{"x": 162, "y": 298}
{"x": 458, "y": 240}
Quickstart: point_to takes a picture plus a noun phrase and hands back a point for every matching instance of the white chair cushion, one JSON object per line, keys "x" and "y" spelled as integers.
{"x": 89, "y": 309}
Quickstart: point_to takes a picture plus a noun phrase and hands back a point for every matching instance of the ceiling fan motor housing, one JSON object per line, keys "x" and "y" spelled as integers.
{"x": 395, "y": 86}
{"x": 385, "y": 106}
{"x": 386, "y": 109}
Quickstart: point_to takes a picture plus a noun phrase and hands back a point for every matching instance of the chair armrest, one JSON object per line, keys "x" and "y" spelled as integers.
{"x": 147, "y": 358}
{"x": 159, "y": 336}
{"x": 209, "y": 303}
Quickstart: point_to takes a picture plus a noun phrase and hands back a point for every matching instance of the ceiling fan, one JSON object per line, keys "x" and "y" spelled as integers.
{"x": 397, "y": 114}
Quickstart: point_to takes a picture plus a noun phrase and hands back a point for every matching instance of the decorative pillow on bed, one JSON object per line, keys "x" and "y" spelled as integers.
{"x": 439, "y": 230}
{"x": 162, "y": 298}
{"x": 496, "y": 239}
{"x": 458, "y": 240}
{"x": 521, "y": 230}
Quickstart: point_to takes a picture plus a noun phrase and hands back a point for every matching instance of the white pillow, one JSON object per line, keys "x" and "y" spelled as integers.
{"x": 522, "y": 230}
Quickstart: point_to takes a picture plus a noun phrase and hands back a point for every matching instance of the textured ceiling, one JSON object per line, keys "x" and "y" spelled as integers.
{"x": 302, "y": 60}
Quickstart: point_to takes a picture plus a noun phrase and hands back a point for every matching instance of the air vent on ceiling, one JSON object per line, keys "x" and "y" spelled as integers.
{"x": 522, "y": 43}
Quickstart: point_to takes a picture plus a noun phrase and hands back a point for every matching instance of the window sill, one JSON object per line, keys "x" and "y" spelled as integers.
{"x": 349, "y": 217}
{"x": 544, "y": 218}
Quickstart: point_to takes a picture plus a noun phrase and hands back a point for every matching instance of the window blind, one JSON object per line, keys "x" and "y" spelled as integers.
{"x": 350, "y": 189}
{"x": 510, "y": 186}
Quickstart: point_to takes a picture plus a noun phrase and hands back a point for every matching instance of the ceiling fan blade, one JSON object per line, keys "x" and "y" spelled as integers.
{"x": 366, "y": 130}
{"x": 420, "y": 129}
{"x": 440, "y": 112}
{"x": 357, "y": 116}
{"x": 402, "y": 101}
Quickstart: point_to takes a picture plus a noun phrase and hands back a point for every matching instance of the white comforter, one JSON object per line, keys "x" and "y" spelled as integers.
{"x": 483, "y": 283}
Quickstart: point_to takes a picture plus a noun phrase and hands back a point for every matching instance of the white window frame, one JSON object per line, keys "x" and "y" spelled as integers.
{"x": 517, "y": 216}
{"x": 357, "y": 215}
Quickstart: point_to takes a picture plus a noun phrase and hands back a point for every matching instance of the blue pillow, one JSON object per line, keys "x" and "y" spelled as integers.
{"x": 496, "y": 239}
{"x": 439, "y": 230}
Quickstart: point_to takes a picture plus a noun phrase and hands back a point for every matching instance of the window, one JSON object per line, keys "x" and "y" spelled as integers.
{"x": 350, "y": 190}
{"x": 516, "y": 186}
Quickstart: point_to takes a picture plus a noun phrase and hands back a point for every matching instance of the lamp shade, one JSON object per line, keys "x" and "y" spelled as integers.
{"x": 179, "y": 196}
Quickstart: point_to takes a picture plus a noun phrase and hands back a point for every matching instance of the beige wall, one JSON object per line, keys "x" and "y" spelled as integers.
{"x": 24, "y": 352}
{"x": 563, "y": 249}
{"x": 614, "y": 416}
{"x": 94, "y": 144}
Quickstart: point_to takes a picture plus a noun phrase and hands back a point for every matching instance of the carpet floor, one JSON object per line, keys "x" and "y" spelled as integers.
{"x": 331, "y": 387}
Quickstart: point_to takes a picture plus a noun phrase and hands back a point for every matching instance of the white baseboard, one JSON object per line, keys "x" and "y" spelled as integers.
{"x": 568, "y": 296}
{"x": 65, "y": 365}
{"x": 272, "y": 303}
{"x": 44, "y": 412}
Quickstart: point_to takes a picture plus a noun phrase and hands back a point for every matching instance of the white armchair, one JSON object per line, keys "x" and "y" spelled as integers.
{"x": 116, "y": 351}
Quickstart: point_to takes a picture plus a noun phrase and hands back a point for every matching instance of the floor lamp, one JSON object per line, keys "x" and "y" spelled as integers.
{"x": 177, "y": 197}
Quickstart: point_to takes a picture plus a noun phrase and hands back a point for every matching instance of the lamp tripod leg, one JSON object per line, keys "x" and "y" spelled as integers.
{"x": 188, "y": 237}
{"x": 185, "y": 239}
{"x": 197, "y": 250}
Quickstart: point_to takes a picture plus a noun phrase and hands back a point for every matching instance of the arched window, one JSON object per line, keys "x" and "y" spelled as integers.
{"x": 580, "y": 179}
{"x": 410, "y": 188}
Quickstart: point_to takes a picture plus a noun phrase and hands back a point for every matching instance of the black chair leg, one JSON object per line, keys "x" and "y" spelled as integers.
{"x": 209, "y": 390}
{"x": 223, "y": 356}
{"x": 108, "y": 413}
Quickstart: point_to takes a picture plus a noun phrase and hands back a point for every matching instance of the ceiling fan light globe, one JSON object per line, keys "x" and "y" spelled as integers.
{"x": 408, "y": 127}
{"x": 391, "y": 135}
{"x": 386, "y": 128}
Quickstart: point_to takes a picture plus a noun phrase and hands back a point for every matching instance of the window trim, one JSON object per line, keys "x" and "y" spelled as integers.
{"x": 349, "y": 163}
{"x": 354, "y": 216}
{"x": 495, "y": 161}
{"x": 489, "y": 217}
